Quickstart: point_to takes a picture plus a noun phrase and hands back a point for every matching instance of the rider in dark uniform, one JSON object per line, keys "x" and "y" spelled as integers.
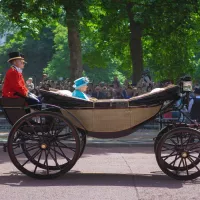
{"x": 194, "y": 105}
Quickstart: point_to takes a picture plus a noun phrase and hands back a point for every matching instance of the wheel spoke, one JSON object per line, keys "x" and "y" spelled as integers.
{"x": 174, "y": 161}
{"x": 63, "y": 155}
{"x": 195, "y": 151}
{"x": 167, "y": 149}
{"x": 46, "y": 160}
{"x": 177, "y": 138}
{"x": 26, "y": 149}
{"x": 188, "y": 140}
{"x": 31, "y": 145}
{"x": 179, "y": 165}
{"x": 63, "y": 152}
{"x": 181, "y": 140}
{"x": 173, "y": 141}
{"x": 194, "y": 146}
{"x": 52, "y": 125}
{"x": 33, "y": 156}
{"x": 170, "y": 155}
{"x": 169, "y": 144}
{"x": 40, "y": 124}
{"x": 55, "y": 152}
{"x": 197, "y": 147}
{"x": 192, "y": 162}
{"x": 54, "y": 160}
{"x": 32, "y": 128}
{"x": 197, "y": 158}
{"x": 57, "y": 131}
{"x": 27, "y": 136}
{"x": 65, "y": 146}
{"x": 38, "y": 162}
{"x": 186, "y": 166}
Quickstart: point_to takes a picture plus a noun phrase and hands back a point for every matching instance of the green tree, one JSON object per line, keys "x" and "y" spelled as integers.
{"x": 132, "y": 22}
{"x": 59, "y": 66}
{"x": 37, "y": 52}
{"x": 96, "y": 69}
{"x": 33, "y": 15}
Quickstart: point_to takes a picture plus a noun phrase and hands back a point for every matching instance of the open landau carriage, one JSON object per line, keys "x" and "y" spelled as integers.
{"x": 47, "y": 143}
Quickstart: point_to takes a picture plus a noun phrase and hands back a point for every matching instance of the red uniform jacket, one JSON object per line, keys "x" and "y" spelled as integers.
{"x": 14, "y": 82}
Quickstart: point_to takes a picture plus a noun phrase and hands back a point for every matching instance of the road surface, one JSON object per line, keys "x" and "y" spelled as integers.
{"x": 114, "y": 173}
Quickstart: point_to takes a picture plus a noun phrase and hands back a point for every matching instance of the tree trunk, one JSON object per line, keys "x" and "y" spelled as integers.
{"x": 76, "y": 67}
{"x": 135, "y": 45}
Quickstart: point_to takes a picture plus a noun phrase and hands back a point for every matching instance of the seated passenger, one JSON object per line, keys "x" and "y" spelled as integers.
{"x": 80, "y": 86}
{"x": 14, "y": 85}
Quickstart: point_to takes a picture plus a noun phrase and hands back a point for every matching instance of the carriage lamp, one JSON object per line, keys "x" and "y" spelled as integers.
{"x": 187, "y": 86}
{"x": 186, "y": 83}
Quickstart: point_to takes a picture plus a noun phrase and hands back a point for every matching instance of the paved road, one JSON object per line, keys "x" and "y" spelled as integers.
{"x": 126, "y": 173}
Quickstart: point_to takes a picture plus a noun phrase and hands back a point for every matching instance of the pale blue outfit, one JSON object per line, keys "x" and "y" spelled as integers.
{"x": 77, "y": 84}
{"x": 79, "y": 94}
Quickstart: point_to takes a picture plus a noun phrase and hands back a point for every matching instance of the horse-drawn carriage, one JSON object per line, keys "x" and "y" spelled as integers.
{"x": 47, "y": 143}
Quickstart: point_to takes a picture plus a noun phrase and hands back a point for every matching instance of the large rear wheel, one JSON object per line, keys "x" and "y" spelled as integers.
{"x": 44, "y": 145}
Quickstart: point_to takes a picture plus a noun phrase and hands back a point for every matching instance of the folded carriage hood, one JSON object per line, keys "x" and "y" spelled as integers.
{"x": 156, "y": 96}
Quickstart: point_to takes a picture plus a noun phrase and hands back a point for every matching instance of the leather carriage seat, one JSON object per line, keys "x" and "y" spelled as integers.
{"x": 157, "y": 95}
{"x": 64, "y": 92}
{"x": 167, "y": 93}
{"x": 13, "y": 108}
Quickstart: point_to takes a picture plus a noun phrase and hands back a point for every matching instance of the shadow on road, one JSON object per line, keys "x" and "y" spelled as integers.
{"x": 109, "y": 150}
{"x": 75, "y": 178}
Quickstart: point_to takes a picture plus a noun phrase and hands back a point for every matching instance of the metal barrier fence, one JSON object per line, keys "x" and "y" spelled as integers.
{"x": 4, "y": 124}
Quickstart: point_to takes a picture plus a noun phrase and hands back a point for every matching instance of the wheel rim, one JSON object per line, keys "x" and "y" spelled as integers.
{"x": 44, "y": 145}
{"x": 178, "y": 153}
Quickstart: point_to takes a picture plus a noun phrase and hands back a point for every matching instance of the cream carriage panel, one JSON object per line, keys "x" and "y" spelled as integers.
{"x": 139, "y": 115}
{"x": 110, "y": 120}
{"x": 84, "y": 116}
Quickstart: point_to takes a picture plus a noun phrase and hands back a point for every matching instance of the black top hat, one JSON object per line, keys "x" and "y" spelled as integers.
{"x": 197, "y": 91}
{"x": 15, "y": 55}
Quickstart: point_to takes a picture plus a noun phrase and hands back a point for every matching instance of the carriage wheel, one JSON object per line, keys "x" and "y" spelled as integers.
{"x": 162, "y": 132}
{"x": 178, "y": 137}
{"x": 178, "y": 153}
{"x": 43, "y": 145}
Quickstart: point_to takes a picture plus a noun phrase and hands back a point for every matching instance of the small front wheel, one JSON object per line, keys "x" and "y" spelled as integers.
{"x": 178, "y": 153}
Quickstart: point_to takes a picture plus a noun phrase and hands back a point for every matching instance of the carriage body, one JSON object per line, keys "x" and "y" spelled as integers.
{"x": 112, "y": 118}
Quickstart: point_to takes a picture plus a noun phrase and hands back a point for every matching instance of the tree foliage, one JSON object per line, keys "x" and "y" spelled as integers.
{"x": 37, "y": 52}
{"x": 59, "y": 65}
{"x": 96, "y": 70}
{"x": 169, "y": 36}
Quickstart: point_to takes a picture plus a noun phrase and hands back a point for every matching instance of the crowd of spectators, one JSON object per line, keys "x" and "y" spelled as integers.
{"x": 102, "y": 90}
